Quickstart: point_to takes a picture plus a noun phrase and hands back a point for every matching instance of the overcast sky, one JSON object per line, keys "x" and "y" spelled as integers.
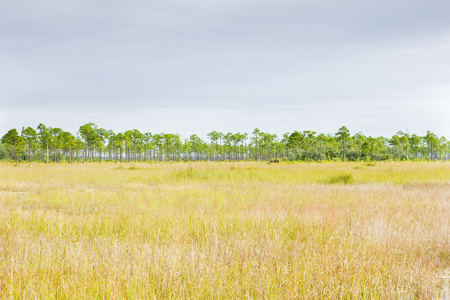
{"x": 193, "y": 66}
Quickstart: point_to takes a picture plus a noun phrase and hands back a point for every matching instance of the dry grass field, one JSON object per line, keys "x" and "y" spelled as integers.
{"x": 224, "y": 230}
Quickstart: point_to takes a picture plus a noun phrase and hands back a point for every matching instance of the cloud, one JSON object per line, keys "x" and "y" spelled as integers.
{"x": 275, "y": 62}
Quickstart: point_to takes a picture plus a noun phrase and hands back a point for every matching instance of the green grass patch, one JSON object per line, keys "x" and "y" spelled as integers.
{"x": 344, "y": 178}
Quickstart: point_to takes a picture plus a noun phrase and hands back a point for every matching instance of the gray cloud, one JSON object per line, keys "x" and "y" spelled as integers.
{"x": 237, "y": 63}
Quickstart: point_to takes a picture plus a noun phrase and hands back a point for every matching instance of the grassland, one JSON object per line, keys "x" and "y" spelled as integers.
{"x": 224, "y": 230}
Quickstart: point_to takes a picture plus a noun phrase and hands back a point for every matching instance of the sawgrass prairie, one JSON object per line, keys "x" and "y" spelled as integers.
{"x": 224, "y": 230}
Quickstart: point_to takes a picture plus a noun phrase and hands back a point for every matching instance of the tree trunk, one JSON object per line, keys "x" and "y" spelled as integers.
{"x": 320, "y": 152}
{"x": 85, "y": 150}
{"x": 29, "y": 151}
{"x": 343, "y": 149}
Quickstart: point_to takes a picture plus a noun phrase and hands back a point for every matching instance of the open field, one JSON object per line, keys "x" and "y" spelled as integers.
{"x": 224, "y": 230}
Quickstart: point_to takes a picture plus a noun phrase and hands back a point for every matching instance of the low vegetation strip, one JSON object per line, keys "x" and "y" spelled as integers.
{"x": 224, "y": 230}
{"x": 95, "y": 144}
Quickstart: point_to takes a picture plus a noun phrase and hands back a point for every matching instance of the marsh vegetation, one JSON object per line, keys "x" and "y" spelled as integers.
{"x": 224, "y": 230}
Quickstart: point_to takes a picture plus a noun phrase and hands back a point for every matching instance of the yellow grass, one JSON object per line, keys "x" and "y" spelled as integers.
{"x": 224, "y": 230}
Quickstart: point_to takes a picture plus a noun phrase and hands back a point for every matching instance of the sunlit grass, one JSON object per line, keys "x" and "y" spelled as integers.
{"x": 224, "y": 230}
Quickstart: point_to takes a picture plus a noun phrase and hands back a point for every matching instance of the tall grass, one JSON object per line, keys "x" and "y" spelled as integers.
{"x": 224, "y": 230}
{"x": 345, "y": 178}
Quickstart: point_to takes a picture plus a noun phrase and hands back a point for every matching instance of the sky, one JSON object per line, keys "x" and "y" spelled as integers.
{"x": 194, "y": 66}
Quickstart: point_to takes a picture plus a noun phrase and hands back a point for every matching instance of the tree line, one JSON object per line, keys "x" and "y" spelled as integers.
{"x": 95, "y": 144}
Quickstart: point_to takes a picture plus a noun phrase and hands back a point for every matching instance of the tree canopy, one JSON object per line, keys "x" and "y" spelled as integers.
{"x": 93, "y": 143}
